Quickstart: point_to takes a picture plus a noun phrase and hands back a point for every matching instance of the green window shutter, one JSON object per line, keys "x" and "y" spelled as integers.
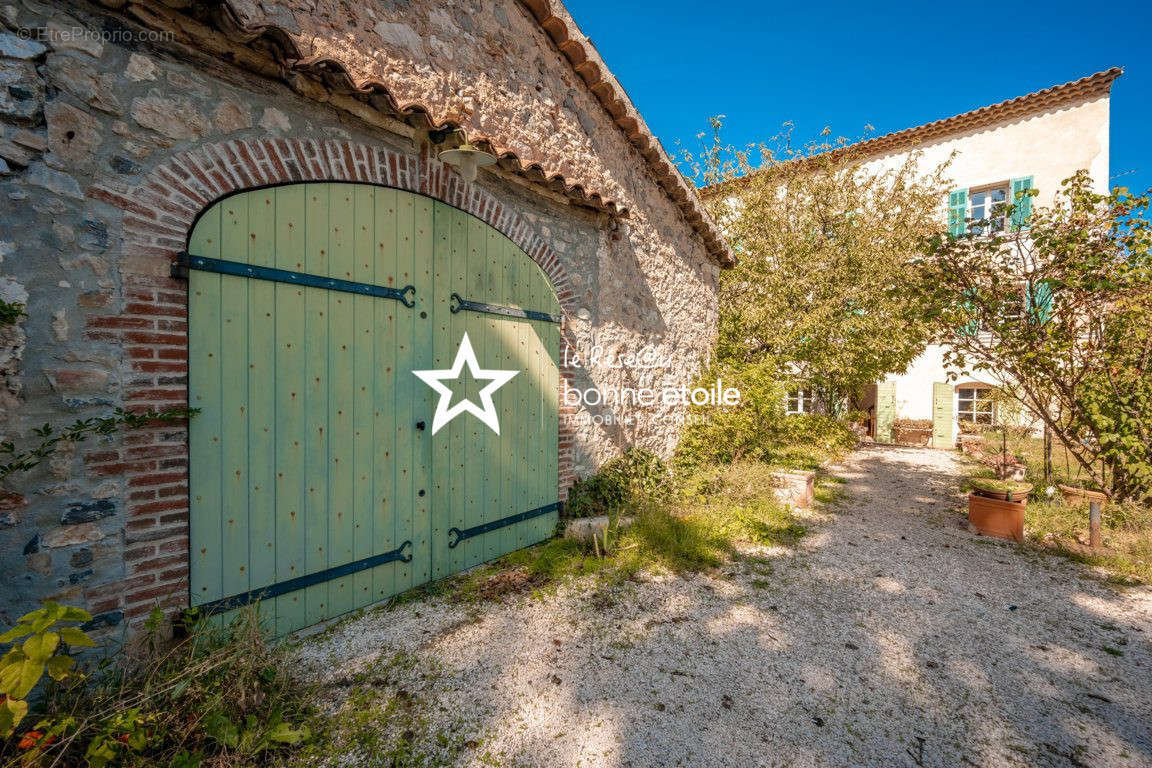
{"x": 1022, "y": 201}
{"x": 957, "y": 212}
{"x": 972, "y": 328}
{"x": 1039, "y": 301}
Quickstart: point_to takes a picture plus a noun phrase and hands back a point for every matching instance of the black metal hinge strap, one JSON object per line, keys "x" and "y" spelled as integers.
{"x": 458, "y": 304}
{"x": 300, "y": 582}
{"x": 185, "y": 261}
{"x": 520, "y": 517}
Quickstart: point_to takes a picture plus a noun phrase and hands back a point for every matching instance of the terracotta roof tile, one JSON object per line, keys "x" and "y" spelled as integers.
{"x": 1097, "y": 84}
{"x": 340, "y": 57}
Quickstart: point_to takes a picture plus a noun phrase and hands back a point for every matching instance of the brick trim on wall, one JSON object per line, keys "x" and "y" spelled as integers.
{"x": 152, "y": 331}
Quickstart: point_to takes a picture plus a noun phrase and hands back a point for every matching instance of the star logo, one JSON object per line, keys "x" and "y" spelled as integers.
{"x": 445, "y": 411}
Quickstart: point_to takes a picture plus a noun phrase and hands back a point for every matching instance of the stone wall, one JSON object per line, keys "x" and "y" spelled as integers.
{"x": 112, "y": 138}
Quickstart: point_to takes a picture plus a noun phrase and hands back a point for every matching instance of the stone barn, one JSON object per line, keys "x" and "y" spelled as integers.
{"x": 303, "y": 220}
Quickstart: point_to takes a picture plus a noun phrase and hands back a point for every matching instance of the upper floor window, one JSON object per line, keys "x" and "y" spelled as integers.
{"x": 986, "y": 209}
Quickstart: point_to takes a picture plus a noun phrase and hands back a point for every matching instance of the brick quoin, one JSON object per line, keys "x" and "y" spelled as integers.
{"x": 151, "y": 329}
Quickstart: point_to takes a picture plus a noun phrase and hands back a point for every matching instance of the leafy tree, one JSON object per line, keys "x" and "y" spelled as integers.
{"x": 826, "y": 245}
{"x": 1060, "y": 310}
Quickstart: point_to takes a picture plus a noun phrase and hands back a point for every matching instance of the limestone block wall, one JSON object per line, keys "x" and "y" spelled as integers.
{"x": 113, "y": 135}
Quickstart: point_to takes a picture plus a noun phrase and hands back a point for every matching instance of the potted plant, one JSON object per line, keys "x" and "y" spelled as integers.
{"x": 1005, "y": 490}
{"x": 1009, "y": 467}
{"x": 996, "y": 507}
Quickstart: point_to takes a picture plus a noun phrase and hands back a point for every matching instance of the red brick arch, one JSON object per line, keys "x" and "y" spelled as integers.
{"x": 160, "y": 211}
{"x": 152, "y": 333}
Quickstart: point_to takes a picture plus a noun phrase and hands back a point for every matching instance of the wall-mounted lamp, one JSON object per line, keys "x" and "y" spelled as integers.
{"x": 466, "y": 159}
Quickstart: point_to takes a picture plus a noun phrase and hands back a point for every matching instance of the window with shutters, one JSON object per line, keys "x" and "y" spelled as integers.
{"x": 975, "y": 404}
{"x": 985, "y": 210}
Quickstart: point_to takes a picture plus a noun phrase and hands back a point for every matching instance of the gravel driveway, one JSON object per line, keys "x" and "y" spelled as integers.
{"x": 892, "y": 637}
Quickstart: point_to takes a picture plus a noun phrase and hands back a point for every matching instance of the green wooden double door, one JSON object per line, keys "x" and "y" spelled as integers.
{"x": 316, "y": 483}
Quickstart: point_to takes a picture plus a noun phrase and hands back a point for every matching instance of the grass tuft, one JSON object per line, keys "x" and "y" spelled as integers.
{"x": 1126, "y": 531}
{"x": 223, "y": 697}
{"x": 698, "y": 531}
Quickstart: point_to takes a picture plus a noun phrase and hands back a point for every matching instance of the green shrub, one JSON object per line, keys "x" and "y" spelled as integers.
{"x": 636, "y": 476}
{"x": 824, "y": 434}
{"x": 757, "y": 428}
{"x": 223, "y": 696}
{"x": 1127, "y": 516}
{"x": 723, "y": 434}
{"x": 669, "y": 538}
{"x": 736, "y": 506}
{"x": 996, "y": 485}
{"x": 40, "y": 643}
{"x": 740, "y": 506}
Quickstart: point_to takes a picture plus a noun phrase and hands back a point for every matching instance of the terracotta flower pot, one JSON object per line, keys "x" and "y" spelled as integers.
{"x": 1016, "y": 492}
{"x": 1016, "y": 496}
{"x": 997, "y": 517}
{"x": 1077, "y": 496}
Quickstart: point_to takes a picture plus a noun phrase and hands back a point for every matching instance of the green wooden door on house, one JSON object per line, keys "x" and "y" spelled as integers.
{"x": 941, "y": 414}
{"x": 885, "y": 410}
{"x": 317, "y": 485}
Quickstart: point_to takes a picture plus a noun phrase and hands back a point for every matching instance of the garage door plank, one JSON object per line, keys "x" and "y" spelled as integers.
{"x": 341, "y": 398}
{"x": 206, "y": 574}
{"x": 504, "y": 342}
{"x": 456, "y": 433}
{"x": 317, "y": 317}
{"x": 422, "y": 396}
{"x": 476, "y": 442}
{"x": 405, "y": 388}
{"x": 364, "y": 357}
{"x": 262, "y": 401}
{"x": 290, "y": 392}
{"x": 440, "y": 317}
{"x": 384, "y": 398}
{"x": 234, "y": 399}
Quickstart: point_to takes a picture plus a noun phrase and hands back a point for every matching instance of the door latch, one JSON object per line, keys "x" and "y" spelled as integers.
{"x": 420, "y": 426}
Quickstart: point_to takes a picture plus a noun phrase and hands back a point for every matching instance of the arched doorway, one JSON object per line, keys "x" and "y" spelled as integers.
{"x": 320, "y": 480}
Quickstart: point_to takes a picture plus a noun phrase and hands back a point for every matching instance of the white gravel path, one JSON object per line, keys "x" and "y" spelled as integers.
{"x": 892, "y": 638}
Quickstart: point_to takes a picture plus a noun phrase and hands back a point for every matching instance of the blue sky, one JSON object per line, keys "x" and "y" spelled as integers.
{"x": 895, "y": 65}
